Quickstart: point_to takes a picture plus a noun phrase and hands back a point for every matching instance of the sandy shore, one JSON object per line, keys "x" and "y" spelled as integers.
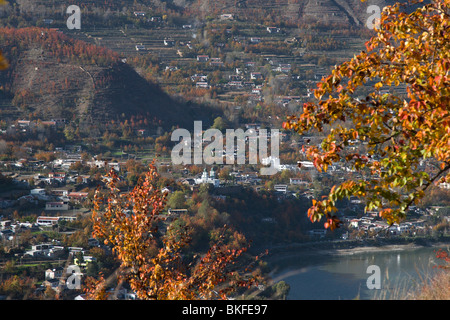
{"x": 384, "y": 248}
{"x": 293, "y": 250}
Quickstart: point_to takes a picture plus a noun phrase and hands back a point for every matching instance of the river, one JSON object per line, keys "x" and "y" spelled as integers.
{"x": 344, "y": 276}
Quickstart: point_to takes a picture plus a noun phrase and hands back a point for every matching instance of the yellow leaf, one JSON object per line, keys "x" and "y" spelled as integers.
{"x": 3, "y": 63}
{"x": 378, "y": 85}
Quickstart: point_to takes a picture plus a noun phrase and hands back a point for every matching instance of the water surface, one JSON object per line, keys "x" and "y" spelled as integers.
{"x": 329, "y": 277}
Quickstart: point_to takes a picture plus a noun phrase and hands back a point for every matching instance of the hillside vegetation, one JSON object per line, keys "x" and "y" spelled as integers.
{"x": 54, "y": 76}
{"x": 350, "y": 12}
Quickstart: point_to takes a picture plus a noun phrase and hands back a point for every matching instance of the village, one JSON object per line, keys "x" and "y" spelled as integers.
{"x": 256, "y": 74}
{"x": 45, "y": 204}
{"x": 228, "y": 60}
{"x": 53, "y": 198}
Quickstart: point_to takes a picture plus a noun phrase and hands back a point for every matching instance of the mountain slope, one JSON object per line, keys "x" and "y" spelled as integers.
{"x": 350, "y": 12}
{"x": 54, "y": 76}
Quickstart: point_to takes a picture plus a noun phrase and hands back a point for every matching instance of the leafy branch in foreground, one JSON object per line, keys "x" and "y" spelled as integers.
{"x": 152, "y": 260}
{"x": 400, "y": 132}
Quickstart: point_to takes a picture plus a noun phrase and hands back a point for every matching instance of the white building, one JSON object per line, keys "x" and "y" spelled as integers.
{"x": 55, "y": 273}
{"x": 271, "y": 161}
{"x": 256, "y": 75}
{"x": 169, "y": 42}
{"x": 226, "y": 16}
{"x": 297, "y": 181}
{"x": 177, "y": 212}
{"x": 5, "y": 224}
{"x": 444, "y": 185}
{"x": 208, "y": 179}
{"x": 39, "y": 194}
{"x": 202, "y": 85}
{"x": 60, "y": 206}
{"x": 45, "y": 250}
{"x": 202, "y": 58}
{"x": 280, "y": 188}
{"x": 306, "y": 164}
{"x": 273, "y": 30}
{"x": 140, "y": 47}
{"x": 47, "y": 221}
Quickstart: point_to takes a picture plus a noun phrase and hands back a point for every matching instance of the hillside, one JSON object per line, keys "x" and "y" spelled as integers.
{"x": 350, "y": 12}
{"x": 347, "y": 12}
{"x": 54, "y": 76}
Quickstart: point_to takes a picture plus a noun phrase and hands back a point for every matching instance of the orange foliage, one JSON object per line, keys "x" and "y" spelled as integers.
{"x": 130, "y": 223}
{"x": 401, "y": 131}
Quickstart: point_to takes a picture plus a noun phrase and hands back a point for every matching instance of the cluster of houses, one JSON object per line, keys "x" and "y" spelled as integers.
{"x": 49, "y": 250}
{"x": 27, "y": 126}
{"x": 9, "y": 228}
{"x": 240, "y": 178}
{"x": 60, "y": 278}
{"x": 45, "y": 250}
{"x": 56, "y": 199}
{"x": 371, "y": 223}
{"x": 372, "y": 226}
{"x": 237, "y": 178}
{"x": 240, "y": 78}
{"x": 248, "y": 78}
{"x": 245, "y": 79}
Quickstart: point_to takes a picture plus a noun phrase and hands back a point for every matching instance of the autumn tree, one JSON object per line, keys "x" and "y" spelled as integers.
{"x": 219, "y": 123}
{"x": 151, "y": 255}
{"x": 3, "y": 62}
{"x": 398, "y": 132}
{"x": 16, "y": 287}
{"x": 177, "y": 200}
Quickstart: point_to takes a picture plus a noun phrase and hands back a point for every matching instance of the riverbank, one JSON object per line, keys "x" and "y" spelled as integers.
{"x": 352, "y": 247}
{"x": 342, "y": 274}
{"x": 385, "y": 248}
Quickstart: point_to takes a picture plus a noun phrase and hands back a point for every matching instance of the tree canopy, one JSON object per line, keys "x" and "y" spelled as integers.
{"x": 152, "y": 258}
{"x": 403, "y": 124}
